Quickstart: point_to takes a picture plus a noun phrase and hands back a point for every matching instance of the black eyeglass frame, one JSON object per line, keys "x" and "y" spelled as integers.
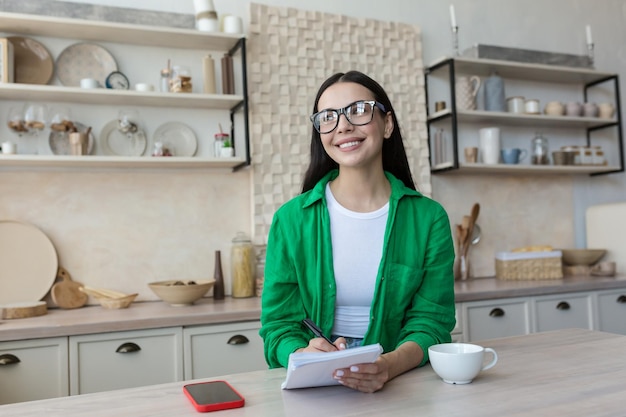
{"x": 345, "y": 112}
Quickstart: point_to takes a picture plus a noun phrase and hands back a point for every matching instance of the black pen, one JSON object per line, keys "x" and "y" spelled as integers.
{"x": 316, "y": 330}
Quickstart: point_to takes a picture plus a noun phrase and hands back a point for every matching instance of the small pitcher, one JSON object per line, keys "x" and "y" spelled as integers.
{"x": 466, "y": 90}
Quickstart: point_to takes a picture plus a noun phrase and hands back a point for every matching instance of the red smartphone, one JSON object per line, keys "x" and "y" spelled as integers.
{"x": 213, "y": 396}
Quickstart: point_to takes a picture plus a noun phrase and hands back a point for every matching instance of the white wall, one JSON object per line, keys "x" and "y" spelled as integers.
{"x": 556, "y": 25}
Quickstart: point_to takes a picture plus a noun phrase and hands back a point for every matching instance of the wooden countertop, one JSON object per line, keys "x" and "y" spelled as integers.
{"x": 155, "y": 314}
{"x": 532, "y": 378}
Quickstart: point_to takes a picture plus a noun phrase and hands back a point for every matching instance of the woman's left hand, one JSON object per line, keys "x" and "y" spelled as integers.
{"x": 364, "y": 377}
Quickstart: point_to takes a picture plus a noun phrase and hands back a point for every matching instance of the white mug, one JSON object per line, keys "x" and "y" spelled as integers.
{"x": 89, "y": 83}
{"x": 459, "y": 363}
{"x": 232, "y": 24}
{"x": 9, "y": 148}
{"x": 489, "y": 138}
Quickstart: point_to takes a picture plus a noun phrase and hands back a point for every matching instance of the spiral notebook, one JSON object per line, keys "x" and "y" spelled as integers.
{"x": 306, "y": 369}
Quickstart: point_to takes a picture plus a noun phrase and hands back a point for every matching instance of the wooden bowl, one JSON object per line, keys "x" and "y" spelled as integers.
{"x": 181, "y": 292}
{"x": 582, "y": 256}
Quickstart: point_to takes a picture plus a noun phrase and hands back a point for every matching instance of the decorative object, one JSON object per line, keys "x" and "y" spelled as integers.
{"x": 480, "y": 51}
{"x": 455, "y": 31}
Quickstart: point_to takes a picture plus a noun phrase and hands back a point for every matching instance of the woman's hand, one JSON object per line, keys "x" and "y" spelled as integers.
{"x": 371, "y": 377}
{"x": 365, "y": 377}
{"x": 318, "y": 344}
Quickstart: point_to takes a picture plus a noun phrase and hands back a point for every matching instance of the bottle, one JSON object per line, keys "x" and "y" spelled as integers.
{"x": 539, "y": 150}
{"x": 242, "y": 270}
{"x": 208, "y": 75}
{"x": 166, "y": 75}
{"x": 218, "y": 287}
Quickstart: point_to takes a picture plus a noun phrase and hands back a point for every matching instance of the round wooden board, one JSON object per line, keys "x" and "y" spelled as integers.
{"x": 23, "y": 310}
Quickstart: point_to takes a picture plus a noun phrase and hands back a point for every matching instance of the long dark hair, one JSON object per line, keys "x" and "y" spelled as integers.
{"x": 394, "y": 155}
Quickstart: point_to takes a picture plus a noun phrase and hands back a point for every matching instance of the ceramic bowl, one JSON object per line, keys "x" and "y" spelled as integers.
{"x": 582, "y": 256}
{"x": 181, "y": 292}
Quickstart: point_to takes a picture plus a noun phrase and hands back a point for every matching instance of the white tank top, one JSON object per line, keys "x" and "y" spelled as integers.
{"x": 357, "y": 244}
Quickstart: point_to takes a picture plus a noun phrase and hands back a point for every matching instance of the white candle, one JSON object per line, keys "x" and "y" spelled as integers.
{"x": 589, "y": 40}
{"x": 452, "y": 16}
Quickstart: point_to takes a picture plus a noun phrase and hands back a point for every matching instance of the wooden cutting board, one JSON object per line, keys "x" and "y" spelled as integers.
{"x": 606, "y": 229}
{"x": 23, "y": 310}
{"x": 67, "y": 293}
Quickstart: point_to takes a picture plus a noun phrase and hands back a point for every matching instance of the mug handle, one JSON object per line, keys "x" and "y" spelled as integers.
{"x": 493, "y": 362}
{"x": 523, "y": 153}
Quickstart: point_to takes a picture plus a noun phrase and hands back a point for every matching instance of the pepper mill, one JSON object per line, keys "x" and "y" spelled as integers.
{"x": 218, "y": 287}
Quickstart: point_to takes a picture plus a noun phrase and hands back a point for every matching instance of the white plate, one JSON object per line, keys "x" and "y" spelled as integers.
{"x": 84, "y": 60}
{"x": 28, "y": 263}
{"x": 114, "y": 142}
{"x": 60, "y": 141}
{"x": 178, "y": 138}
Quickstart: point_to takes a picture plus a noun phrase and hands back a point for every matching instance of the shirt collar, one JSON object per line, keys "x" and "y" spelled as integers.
{"x": 398, "y": 189}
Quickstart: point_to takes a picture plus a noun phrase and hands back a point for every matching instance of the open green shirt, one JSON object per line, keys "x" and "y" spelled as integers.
{"x": 414, "y": 293}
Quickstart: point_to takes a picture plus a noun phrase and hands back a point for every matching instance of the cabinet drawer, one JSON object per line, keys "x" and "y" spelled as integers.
{"x": 223, "y": 349}
{"x": 563, "y": 312}
{"x": 612, "y": 311}
{"x": 33, "y": 370}
{"x": 108, "y": 361}
{"x": 488, "y": 320}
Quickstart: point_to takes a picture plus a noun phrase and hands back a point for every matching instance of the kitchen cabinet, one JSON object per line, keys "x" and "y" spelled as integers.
{"x": 223, "y": 349}
{"x": 33, "y": 370}
{"x": 496, "y": 318}
{"x": 107, "y": 361}
{"x": 563, "y": 312}
{"x": 236, "y": 105}
{"x": 441, "y": 76}
{"x": 611, "y": 310}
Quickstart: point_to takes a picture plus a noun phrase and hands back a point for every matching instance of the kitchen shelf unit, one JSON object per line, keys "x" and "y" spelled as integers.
{"x": 139, "y": 35}
{"x": 587, "y": 78}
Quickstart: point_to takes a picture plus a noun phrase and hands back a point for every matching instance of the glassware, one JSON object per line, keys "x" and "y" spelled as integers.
{"x": 539, "y": 150}
{"x": 61, "y": 119}
{"x": 15, "y": 120}
{"x": 242, "y": 270}
{"x": 35, "y": 118}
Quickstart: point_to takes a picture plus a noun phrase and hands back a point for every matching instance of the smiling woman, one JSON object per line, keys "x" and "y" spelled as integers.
{"x": 358, "y": 209}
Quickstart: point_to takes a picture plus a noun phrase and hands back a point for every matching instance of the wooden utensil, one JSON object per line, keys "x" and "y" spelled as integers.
{"x": 67, "y": 293}
{"x": 23, "y": 310}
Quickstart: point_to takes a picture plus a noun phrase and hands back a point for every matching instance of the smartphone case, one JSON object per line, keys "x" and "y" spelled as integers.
{"x": 217, "y": 405}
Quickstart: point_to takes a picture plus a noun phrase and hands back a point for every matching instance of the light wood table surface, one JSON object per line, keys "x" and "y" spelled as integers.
{"x": 562, "y": 373}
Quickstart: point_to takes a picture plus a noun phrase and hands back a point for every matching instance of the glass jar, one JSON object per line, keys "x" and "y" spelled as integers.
{"x": 181, "y": 80}
{"x": 242, "y": 269}
{"x": 539, "y": 150}
{"x": 260, "y": 269}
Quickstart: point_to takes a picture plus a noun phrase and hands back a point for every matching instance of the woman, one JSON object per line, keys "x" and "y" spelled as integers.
{"x": 360, "y": 251}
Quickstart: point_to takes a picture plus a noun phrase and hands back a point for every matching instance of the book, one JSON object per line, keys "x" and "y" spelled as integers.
{"x": 315, "y": 369}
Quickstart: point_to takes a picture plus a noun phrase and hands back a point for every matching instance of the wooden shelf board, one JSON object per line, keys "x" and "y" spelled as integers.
{"x": 88, "y": 161}
{"x": 93, "y": 30}
{"x": 525, "y": 71}
{"x": 525, "y": 169}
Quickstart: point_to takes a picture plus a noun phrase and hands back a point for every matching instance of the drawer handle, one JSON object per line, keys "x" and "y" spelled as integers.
{"x": 128, "y": 347}
{"x": 8, "y": 359}
{"x": 621, "y": 299}
{"x": 563, "y": 305}
{"x": 496, "y": 312}
{"x": 238, "y": 339}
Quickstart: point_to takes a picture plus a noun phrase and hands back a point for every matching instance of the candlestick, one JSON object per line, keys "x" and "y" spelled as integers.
{"x": 590, "y": 53}
{"x": 455, "y": 40}
{"x": 452, "y": 17}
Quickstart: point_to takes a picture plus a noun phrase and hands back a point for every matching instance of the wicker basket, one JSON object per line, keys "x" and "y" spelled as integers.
{"x": 529, "y": 265}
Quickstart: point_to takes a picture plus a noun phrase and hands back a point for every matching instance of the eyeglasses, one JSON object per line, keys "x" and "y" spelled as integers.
{"x": 358, "y": 113}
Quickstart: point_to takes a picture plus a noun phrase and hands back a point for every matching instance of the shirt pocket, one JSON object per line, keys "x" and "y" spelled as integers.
{"x": 403, "y": 281}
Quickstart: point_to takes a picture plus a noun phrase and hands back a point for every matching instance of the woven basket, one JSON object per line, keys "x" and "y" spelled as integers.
{"x": 531, "y": 266}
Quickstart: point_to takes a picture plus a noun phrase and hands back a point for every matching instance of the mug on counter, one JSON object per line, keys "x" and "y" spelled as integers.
{"x": 459, "y": 363}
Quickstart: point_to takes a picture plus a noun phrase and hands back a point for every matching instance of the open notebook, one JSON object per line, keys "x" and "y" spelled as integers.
{"x": 308, "y": 369}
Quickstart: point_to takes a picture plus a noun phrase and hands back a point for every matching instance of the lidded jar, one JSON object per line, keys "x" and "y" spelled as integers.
{"x": 539, "y": 150}
{"x": 242, "y": 267}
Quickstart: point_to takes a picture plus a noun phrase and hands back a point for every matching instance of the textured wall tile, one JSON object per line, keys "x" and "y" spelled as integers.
{"x": 291, "y": 52}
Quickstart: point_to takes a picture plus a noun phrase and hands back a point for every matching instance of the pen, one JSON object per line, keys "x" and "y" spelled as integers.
{"x": 316, "y": 330}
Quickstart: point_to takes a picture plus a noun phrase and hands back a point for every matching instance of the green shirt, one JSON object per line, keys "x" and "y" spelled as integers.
{"x": 414, "y": 291}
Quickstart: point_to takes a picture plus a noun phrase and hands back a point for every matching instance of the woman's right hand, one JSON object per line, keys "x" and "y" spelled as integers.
{"x": 318, "y": 344}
